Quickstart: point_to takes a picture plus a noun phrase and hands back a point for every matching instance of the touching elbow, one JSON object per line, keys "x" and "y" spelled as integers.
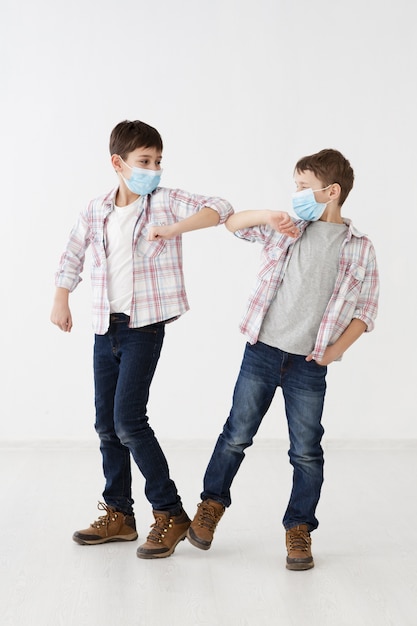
{"x": 230, "y": 225}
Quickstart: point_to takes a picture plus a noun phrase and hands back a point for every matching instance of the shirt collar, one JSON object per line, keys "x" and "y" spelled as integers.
{"x": 108, "y": 201}
{"x": 353, "y": 231}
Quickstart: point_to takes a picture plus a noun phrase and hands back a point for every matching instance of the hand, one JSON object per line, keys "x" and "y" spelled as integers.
{"x": 161, "y": 232}
{"x": 328, "y": 357}
{"x": 282, "y": 223}
{"x": 61, "y": 317}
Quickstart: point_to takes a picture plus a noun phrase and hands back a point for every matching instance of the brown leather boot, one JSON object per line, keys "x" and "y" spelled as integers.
{"x": 298, "y": 542}
{"x": 113, "y": 526}
{"x": 202, "y": 528}
{"x": 167, "y": 531}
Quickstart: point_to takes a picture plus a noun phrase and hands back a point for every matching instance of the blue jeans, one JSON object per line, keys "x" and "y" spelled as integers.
{"x": 303, "y": 385}
{"x": 125, "y": 360}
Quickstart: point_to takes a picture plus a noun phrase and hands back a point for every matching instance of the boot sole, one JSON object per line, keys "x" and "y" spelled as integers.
{"x": 160, "y": 555}
{"x": 196, "y": 543}
{"x": 300, "y": 566}
{"x": 93, "y": 542}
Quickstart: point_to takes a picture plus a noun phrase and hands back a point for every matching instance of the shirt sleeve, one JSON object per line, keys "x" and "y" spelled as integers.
{"x": 183, "y": 204}
{"x": 266, "y": 235}
{"x": 72, "y": 260}
{"x": 262, "y": 234}
{"x": 367, "y": 304}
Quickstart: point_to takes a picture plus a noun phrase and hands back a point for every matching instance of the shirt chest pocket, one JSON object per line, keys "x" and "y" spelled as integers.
{"x": 96, "y": 244}
{"x": 352, "y": 285}
{"x": 150, "y": 249}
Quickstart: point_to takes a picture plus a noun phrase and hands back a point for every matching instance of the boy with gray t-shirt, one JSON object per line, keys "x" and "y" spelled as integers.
{"x": 316, "y": 293}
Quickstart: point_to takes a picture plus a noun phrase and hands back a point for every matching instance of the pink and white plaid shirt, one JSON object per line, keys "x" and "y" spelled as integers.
{"x": 158, "y": 281}
{"x": 355, "y": 294}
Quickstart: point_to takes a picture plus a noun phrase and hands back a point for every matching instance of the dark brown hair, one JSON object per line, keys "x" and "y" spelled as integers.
{"x": 329, "y": 166}
{"x": 127, "y": 136}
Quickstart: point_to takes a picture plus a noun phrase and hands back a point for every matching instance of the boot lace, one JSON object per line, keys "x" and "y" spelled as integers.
{"x": 160, "y": 528}
{"x": 299, "y": 540}
{"x": 208, "y": 516}
{"x": 104, "y": 520}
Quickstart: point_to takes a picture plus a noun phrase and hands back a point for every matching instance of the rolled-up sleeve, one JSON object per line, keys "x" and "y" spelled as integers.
{"x": 71, "y": 263}
{"x": 367, "y": 305}
{"x": 223, "y": 208}
{"x": 183, "y": 204}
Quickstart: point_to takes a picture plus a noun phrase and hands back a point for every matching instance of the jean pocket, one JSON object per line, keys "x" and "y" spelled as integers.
{"x": 150, "y": 329}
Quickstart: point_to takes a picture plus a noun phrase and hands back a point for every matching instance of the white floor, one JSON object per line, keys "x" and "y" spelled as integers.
{"x": 365, "y": 548}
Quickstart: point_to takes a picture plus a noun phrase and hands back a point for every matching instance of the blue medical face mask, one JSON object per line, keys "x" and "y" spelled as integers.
{"x": 305, "y": 206}
{"x": 142, "y": 181}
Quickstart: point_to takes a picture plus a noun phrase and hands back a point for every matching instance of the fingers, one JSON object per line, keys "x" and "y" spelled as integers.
{"x": 161, "y": 231}
{"x": 290, "y": 229}
{"x": 152, "y": 233}
{"x": 155, "y": 233}
{"x": 283, "y": 223}
{"x": 63, "y": 324}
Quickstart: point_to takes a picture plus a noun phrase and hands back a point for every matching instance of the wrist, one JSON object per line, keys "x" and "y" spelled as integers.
{"x": 61, "y": 295}
{"x": 176, "y": 230}
{"x": 335, "y": 352}
{"x": 267, "y": 217}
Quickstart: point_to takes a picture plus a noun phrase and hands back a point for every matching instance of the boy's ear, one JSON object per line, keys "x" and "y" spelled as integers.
{"x": 335, "y": 191}
{"x": 116, "y": 163}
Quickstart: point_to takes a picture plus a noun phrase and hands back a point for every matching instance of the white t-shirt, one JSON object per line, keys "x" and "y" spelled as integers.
{"x": 119, "y": 236}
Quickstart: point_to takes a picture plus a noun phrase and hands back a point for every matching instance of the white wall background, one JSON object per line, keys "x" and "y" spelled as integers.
{"x": 239, "y": 91}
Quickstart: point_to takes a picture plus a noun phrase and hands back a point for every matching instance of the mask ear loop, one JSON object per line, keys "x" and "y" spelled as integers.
{"x": 124, "y": 162}
{"x": 323, "y": 189}
{"x": 313, "y": 190}
{"x": 141, "y": 169}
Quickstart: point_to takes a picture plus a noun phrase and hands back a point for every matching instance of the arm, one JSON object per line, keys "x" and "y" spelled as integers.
{"x": 205, "y": 218}
{"x": 68, "y": 275}
{"x": 355, "y": 329}
{"x": 277, "y": 220}
{"x": 61, "y": 314}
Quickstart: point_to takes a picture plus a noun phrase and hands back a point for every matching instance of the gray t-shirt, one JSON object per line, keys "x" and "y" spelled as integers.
{"x": 293, "y": 318}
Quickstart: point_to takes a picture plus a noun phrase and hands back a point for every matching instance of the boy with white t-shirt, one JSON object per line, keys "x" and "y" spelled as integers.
{"x": 138, "y": 286}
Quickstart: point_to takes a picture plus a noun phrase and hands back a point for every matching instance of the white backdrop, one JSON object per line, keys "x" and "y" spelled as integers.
{"x": 239, "y": 91}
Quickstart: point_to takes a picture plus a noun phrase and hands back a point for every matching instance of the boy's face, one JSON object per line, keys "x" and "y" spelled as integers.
{"x": 307, "y": 180}
{"x": 145, "y": 158}
{"x": 325, "y": 194}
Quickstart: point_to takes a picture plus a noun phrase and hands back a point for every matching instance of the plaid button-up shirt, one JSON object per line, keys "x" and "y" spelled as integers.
{"x": 157, "y": 274}
{"x": 355, "y": 293}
